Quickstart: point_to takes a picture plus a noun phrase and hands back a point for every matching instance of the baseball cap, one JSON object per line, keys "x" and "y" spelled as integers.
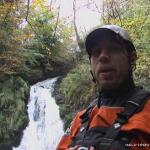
{"x": 105, "y": 29}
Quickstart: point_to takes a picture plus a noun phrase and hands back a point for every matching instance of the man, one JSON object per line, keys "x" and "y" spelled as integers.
{"x": 119, "y": 119}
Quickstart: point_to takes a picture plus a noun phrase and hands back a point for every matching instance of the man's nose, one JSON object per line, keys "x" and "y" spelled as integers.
{"x": 104, "y": 56}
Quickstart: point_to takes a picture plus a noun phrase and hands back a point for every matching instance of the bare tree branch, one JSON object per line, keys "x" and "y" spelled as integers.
{"x": 112, "y": 10}
{"x": 28, "y": 7}
{"x": 50, "y": 6}
{"x": 96, "y": 6}
{"x": 57, "y": 20}
{"x": 108, "y": 18}
{"x": 74, "y": 22}
{"x": 118, "y": 13}
{"x": 79, "y": 40}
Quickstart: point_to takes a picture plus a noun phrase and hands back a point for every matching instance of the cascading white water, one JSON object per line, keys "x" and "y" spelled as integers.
{"x": 45, "y": 127}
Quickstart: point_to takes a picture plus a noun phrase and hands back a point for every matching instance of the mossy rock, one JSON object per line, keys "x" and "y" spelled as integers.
{"x": 13, "y": 115}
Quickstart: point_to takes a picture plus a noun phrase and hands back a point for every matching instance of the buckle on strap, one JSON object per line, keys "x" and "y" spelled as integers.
{"x": 131, "y": 107}
{"x": 134, "y": 103}
{"x": 104, "y": 144}
{"x": 122, "y": 118}
{"x": 106, "y": 141}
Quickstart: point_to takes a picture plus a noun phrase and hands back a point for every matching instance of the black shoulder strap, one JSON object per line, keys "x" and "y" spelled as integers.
{"x": 133, "y": 105}
{"x": 85, "y": 116}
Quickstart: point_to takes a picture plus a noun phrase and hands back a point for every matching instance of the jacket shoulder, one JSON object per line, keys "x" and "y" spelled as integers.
{"x": 140, "y": 121}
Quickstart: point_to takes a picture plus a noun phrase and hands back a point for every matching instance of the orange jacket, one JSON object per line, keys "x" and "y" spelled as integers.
{"x": 104, "y": 117}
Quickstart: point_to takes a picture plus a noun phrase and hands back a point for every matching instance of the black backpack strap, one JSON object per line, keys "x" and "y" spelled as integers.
{"x": 133, "y": 105}
{"x": 85, "y": 116}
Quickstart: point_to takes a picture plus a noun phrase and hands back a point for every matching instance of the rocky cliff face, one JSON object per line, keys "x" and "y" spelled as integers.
{"x": 43, "y": 68}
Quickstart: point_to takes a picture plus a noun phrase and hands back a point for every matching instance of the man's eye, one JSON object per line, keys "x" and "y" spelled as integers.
{"x": 114, "y": 49}
{"x": 96, "y": 51}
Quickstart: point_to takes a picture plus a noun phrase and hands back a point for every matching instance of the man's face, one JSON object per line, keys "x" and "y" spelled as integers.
{"x": 110, "y": 64}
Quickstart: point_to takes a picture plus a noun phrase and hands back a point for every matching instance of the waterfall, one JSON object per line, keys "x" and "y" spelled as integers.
{"x": 45, "y": 127}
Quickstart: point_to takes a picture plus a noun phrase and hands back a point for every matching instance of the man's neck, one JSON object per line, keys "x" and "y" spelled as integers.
{"x": 123, "y": 89}
{"x": 118, "y": 95}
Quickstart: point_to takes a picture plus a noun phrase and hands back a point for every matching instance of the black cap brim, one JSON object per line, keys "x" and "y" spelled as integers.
{"x": 92, "y": 38}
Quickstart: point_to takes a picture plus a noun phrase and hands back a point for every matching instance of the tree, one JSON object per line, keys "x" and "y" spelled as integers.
{"x": 10, "y": 45}
{"x": 50, "y": 35}
{"x": 133, "y": 15}
{"x": 79, "y": 40}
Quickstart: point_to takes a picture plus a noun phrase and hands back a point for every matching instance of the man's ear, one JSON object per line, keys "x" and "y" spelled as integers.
{"x": 93, "y": 78}
{"x": 133, "y": 57}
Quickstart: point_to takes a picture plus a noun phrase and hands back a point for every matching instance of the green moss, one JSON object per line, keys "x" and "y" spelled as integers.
{"x": 142, "y": 72}
{"x": 13, "y": 115}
